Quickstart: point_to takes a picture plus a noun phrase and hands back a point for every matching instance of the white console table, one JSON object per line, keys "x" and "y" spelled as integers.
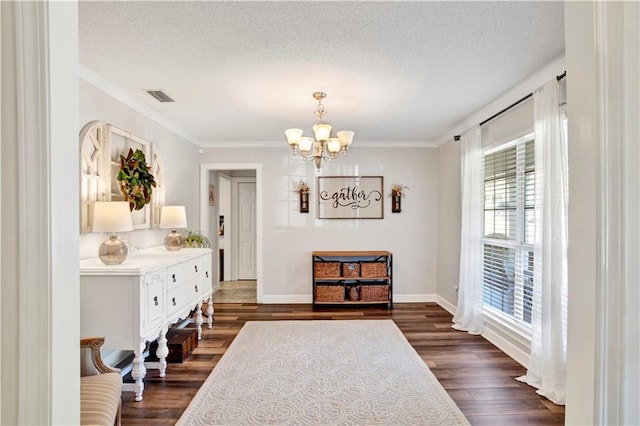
{"x": 136, "y": 302}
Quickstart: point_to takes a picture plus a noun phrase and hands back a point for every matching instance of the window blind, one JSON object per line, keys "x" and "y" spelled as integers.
{"x": 500, "y": 198}
{"x": 509, "y": 228}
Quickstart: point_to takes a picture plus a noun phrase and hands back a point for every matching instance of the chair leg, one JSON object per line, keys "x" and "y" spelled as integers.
{"x": 119, "y": 414}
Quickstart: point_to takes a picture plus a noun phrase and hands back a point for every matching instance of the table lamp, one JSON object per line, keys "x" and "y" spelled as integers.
{"x": 173, "y": 217}
{"x": 112, "y": 217}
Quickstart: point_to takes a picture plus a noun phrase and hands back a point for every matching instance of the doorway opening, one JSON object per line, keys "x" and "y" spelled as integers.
{"x": 231, "y": 216}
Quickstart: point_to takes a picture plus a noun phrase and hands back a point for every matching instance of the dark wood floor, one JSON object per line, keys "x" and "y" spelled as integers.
{"x": 476, "y": 374}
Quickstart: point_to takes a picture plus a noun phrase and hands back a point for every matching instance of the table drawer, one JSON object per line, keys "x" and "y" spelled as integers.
{"x": 154, "y": 293}
{"x": 204, "y": 268}
{"x": 179, "y": 297}
{"x": 183, "y": 272}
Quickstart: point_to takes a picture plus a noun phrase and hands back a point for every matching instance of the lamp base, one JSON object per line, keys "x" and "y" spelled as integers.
{"x": 113, "y": 251}
{"x": 174, "y": 241}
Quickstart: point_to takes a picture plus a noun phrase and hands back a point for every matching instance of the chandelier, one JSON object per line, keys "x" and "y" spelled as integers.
{"x": 323, "y": 146}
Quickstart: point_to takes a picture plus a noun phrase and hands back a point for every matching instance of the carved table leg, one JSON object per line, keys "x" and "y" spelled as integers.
{"x": 199, "y": 320}
{"x": 139, "y": 370}
{"x": 162, "y": 351}
{"x": 210, "y": 312}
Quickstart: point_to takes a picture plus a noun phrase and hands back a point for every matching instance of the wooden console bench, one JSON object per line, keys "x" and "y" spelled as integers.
{"x": 352, "y": 277}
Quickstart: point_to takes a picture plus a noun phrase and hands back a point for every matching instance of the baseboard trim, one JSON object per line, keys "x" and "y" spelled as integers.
{"x": 446, "y": 305}
{"x": 269, "y": 299}
{"x": 494, "y": 334}
{"x": 307, "y": 298}
{"x": 414, "y": 298}
{"x": 498, "y": 338}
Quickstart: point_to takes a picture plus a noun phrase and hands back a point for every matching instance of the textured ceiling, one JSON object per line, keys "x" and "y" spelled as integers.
{"x": 245, "y": 71}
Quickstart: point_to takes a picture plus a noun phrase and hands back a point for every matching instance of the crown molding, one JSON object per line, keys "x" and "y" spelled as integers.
{"x": 283, "y": 144}
{"x": 528, "y": 85}
{"x": 116, "y": 92}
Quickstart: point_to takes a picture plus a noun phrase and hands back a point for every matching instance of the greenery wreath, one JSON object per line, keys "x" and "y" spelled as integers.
{"x": 136, "y": 180}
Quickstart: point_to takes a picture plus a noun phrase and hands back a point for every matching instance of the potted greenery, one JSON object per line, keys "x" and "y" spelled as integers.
{"x": 136, "y": 180}
{"x": 195, "y": 239}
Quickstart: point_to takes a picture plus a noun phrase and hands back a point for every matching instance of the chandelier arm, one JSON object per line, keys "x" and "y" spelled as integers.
{"x": 309, "y": 155}
{"x": 327, "y": 156}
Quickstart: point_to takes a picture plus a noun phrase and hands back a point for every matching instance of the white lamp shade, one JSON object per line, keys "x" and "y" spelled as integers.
{"x": 322, "y": 131}
{"x": 293, "y": 136}
{"x": 345, "y": 137}
{"x": 111, "y": 216}
{"x": 305, "y": 144}
{"x": 333, "y": 145}
{"x": 173, "y": 217}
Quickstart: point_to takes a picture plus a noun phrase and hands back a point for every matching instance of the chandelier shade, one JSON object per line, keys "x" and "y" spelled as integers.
{"x": 323, "y": 147}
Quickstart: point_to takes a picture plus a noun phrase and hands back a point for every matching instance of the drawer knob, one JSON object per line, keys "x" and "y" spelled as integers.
{"x": 174, "y": 277}
{"x": 196, "y": 266}
{"x": 174, "y": 301}
{"x": 207, "y": 274}
{"x": 155, "y": 300}
{"x": 196, "y": 286}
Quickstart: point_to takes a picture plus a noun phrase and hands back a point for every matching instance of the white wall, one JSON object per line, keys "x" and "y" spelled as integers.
{"x": 449, "y": 220}
{"x": 290, "y": 237}
{"x": 181, "y": 160}
{"x": 510, "y": 125}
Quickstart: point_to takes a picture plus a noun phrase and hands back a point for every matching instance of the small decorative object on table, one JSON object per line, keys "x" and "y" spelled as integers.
{"x": 303, "y": 190}
{"x": 195, "y": 239}
{"x": 173, "y": 217}
{"x": 112, "y": 217}
{"x": 397, "y": 191}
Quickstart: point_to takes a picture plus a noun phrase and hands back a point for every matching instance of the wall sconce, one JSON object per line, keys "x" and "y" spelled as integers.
{"x": 397, "y": 191}
{"x": 173, "y": 217}
{"x": 112, "y": 217}
{"x": 303, "y": 191}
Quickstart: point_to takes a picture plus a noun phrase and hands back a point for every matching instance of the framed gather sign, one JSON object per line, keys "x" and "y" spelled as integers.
{"x": 350, "y": 197}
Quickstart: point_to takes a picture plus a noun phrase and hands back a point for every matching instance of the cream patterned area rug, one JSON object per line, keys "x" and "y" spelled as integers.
{"x": 327, "y": 372}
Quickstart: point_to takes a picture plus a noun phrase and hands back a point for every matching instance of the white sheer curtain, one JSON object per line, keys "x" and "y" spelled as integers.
{"x": 469, "y": 315}
{"x": 547, "y": 364}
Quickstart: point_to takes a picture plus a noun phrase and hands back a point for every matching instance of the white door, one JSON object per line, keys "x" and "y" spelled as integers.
{"x": 247, "y": 230}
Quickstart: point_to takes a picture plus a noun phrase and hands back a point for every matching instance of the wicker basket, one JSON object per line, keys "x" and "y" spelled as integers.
{"x": 353, "y": 293}
{"x": 374, "y": 293}
{"x": 326, "y": 269}
{"x": 373, "y": 269}
{"x": 330, "y": 293}
{"x": 350, "y": 269}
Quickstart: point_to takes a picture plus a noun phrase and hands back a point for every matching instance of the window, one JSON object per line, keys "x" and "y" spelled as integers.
{"x": 509, "y": 229}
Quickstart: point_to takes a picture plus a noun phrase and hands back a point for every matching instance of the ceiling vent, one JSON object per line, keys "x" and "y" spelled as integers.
{"x": 160, "y": 95}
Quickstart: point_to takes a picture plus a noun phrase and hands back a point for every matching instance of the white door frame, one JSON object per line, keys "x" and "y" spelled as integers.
{"x": 205, "y": 168}
{"x": 40, "y": 326}
{"x": 227, "y": 225}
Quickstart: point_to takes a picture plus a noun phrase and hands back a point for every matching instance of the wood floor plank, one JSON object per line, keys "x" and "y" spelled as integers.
{"x": 478, "y": 376}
